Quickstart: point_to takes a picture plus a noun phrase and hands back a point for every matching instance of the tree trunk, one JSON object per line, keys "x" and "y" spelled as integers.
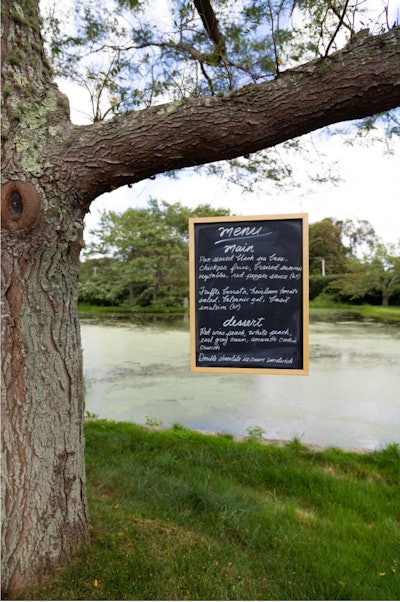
{"x": 43, "y": 471}
{"x": 44, "y": 512}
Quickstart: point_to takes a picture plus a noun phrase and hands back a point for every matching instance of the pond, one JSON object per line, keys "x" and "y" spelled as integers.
{"x": 140, "y": 373}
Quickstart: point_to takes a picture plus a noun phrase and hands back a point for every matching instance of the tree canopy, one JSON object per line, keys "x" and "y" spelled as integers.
{"x": 134, "y": 54}
{"x": 231, "y": 90}
{"x": 143, "y": 256}
{"x": 378, "y": 275}
{"x": 129, "y": 55}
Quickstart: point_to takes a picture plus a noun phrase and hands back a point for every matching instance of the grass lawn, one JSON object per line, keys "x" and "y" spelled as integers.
{"x": 326, "y": 309}
{"x": 177, "y": 515}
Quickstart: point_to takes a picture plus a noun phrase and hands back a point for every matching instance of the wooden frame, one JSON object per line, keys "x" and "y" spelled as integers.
{"x": 248, "y": 279}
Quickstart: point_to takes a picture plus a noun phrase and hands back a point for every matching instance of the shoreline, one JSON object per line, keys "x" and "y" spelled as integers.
{"x": 278, "y": 442}
{"x": 240, "y": 438}
{"x": 356, "y": 313}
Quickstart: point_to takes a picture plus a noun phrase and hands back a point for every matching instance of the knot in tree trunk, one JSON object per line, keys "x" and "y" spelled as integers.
{"x": 20, "y": 206}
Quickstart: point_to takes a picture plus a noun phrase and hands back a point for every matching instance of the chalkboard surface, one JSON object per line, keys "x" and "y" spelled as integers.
{"x": 249, "y": 294}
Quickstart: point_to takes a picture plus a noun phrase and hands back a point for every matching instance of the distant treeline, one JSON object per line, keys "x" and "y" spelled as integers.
{"x": 139, "y": 258}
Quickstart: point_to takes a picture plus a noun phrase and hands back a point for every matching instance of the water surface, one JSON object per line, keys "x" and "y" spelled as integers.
{"x": 350, "y": 399}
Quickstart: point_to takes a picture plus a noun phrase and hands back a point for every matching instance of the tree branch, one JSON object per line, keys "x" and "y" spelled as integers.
{"x": 338, "y": 27}
{"x": 362, "y": 79}
{"x": 211, "y": 26}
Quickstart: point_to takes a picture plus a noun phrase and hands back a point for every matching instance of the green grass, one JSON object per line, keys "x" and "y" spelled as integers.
{"x": 179, "y": 515}
{"x": 86, "y": 309}
{"x": 323, "y": 308}
{"x": 377, "y": 312}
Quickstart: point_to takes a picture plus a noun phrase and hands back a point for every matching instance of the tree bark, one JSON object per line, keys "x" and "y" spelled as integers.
{"x": 51, "y": 171}
{"x": 44, "y": 510}
{"x": 43, "y": 471}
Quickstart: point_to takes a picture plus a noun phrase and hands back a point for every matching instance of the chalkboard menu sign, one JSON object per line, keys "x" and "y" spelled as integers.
{"x": 249, "y": 294}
